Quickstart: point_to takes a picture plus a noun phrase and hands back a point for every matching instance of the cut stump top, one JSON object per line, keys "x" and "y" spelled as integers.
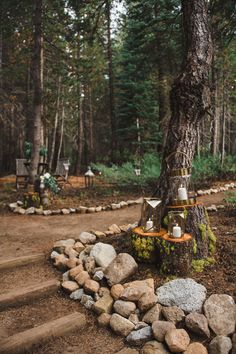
{"x": 183, "y": 206}
{"x": 184, "y": 238}
{"x": 139, "y": 231}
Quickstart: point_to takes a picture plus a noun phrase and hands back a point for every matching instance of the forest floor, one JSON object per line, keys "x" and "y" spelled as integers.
{"x": 25, "y": 234}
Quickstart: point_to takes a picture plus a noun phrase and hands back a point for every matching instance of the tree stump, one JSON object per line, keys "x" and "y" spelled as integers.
{"x": 176, "y": 254}
{"x": 144, "y": 245}
{"x": 197, "y": 224}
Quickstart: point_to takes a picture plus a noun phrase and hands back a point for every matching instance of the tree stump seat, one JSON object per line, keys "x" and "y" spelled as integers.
{"x": 176, "y": 254}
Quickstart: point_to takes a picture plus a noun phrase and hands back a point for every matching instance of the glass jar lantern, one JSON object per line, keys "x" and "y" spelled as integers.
{"x": 151, "y": 215}
{"x": 176, "y": 223}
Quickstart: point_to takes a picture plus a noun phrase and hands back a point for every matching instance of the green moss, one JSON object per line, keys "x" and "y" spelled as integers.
{"x": 165, "y": 220}
{"x": 194, "y": 247}
{"x": 143, "y": 246}
{"x": 203, "y": 229}
{"x": 212, "y": 241}
{"x": 198, "y": 265}
{"x": 185, "y": 213}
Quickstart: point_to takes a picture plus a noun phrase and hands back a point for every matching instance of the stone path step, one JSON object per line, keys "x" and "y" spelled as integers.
{"x": 9, "y": 263}
{"x": 21, "y": 296}
{"x": 24, "y": 341}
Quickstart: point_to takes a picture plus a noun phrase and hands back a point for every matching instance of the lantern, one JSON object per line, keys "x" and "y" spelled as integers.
{"x": 151, "y": 215}
{"x": 66, "y": 167}
{"x": 89, "y": 176}
{"x": 176, "y": 223}
{"x": 181, "y": 187}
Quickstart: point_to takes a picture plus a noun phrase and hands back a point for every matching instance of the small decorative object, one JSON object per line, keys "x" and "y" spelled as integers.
{"x": 182, "y": 193}
{"x": 49, "y": 182}
{"x": 151, "y": 214}
{"x": 137, "y": 171}
{"x": 66, "y": 167}
{"x": 89, "y": 177}
{"x": 176, "y": 223}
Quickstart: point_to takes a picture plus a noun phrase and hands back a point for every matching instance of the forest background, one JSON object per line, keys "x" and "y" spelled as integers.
{"x": 105, "y": 79}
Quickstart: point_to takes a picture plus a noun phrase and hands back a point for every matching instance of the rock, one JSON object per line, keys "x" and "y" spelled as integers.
{"x": 173, "y": 314}
{"x": 75, "y": 271}
{"x": 56, "y": 211}
{"x": 47, "y": 212}
{"x": 91, "y": 286}
{"x": 184, "y": 293}
{"x": 135, "y": 290}
{"x": 200, "y": 192}
{"x": 125, "y": 228}
{"x": 196, "y": 348}
{"x": 114, "y": 207}
{"x": 98, "y": 275}
{"x": 123, "y": 204}
{"x": 127, "y": 351}
{"x": 87, "y": 301}
{"x": 104, "y": 304}
{"x": 89, "y": 264}
{"x": 88, "y": 249}
{"x": 70, "y": 252}
{"x": 72, "y": 210}
{"x": 98, "y": 209}
{"x": 79, "y": 247}
{"x": 30, "y": 211}
{"x": 147, "y": 300}
{"x": 114, "y": 228}
{"x": 60, "y": 262}
{"x": 153, "y": 314}
{"x": 99, "y": 234}
{"x": 133, "y": 317}
{"x": 54, "y": 254}
{"x": 160, "y": 328}
{"x": 153, "y": 347}
{"x": 122, "y": 267}
{"x": 139, "y": 337}
{"x": 140, "y": 325}
{"x": 116, "y": 291}
{"x": 77, "y": 294}
{"x": 13, "y": 206}
{"x": 65, "y": 276}
{"x": 59, "y": 246}
{"x": 38, "y": 211}
{"x": 87, "y": 238}
{"x": 139, "y": 201}
{"x": 71, "y": 263}
{"x": 103, "y": 254}
{"x": 104, "y": 291}
{"x": 220, "y": 345}
{"x": 104, "y": 319}
{"x": 65, "y": 211}
{"x": 91, "y": 210}
{"x": 220, "y": 312}
{"x": 109, "y": 233}
{"x": 197, "y": 323}
{"x": 124, "y": 308}
{"x": 130, "y": 202}
{"x": 70, "y": 286}
{"x": 19, "y": 210}
{"x": 82, "y": 209}
{"x": 177, "y": 340}
{"x": 212, "y": 208}
{"x": 82, "y": 277}
{"x": 121, "y": 325}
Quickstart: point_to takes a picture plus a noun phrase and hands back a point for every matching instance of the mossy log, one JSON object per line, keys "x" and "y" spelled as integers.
{"x": 176, "y": 254}
{"x": 198, "y": 225}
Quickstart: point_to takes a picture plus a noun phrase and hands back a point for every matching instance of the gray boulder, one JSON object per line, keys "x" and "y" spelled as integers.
{"x": 139, "y": 337}
{"x": 197, "y": 323}
{"x": 122, "y": 267}
{"x": 184, "y": 293}
{"x": 87, "y": 238}
{"x": 121, "y": 325}
{"x": 103, "y": 254}
{"x": 220, "y": 345}
{"x": 124, "y": 308}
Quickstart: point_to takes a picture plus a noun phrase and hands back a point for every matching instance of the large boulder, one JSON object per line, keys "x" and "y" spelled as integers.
{"x": 103, "y": 254}
{"x": 122, "y": 267}
{"x": 184, "y": 293}
{"x": 220, "y": 312}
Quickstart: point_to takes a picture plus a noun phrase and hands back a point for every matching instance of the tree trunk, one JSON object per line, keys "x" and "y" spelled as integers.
{"x": 55, "y": 125}
{"x": 223, "y": 123}
{"x": 37, "y": 78}
{"x": 189, "y": 99}
{"x": 62, "y": 131}
{"x": 111, "y": 85}
{"x": 189, "y": 94}
{"x": 215, "y": 112}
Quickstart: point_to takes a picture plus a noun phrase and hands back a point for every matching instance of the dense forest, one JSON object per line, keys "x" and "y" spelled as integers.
{"x": 91, "y": 80}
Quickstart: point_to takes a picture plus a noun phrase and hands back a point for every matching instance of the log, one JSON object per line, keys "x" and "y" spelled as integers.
{"x": 20, "y": 261}
{"x": 198, "y": 225}
{"x": 144, "y": 244}
{"x": 24, "y": 341}
{"x": 28, "y": 294}
{"x": 176, "y": 254}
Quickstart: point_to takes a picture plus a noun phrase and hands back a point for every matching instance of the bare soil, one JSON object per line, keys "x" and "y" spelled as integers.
{"x": 21, "y": 235}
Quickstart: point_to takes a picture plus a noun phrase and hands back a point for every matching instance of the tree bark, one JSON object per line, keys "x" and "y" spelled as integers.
{"x": 37, "y": 79}
{"x": 189, "y": 94}
{"x": 55, "y": 124}
{"x": 111, "y": 85}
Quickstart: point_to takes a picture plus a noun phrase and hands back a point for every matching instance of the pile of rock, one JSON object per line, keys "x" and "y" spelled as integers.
{"x": 18, "y": 208}
{"x": 161, "y": 320}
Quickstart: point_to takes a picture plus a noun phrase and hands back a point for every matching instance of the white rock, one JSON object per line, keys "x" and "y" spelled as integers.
{"x": 103, "y": 254}
{"x": 98, "y": 276}
{"x": 122, "y": 267}
{"x": 87, "y": 238}
{"x": 77, "y": 294}
{"x": 30, "y": 211}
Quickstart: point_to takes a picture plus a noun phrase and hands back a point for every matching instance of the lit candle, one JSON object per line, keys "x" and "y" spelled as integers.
{"x": 176, "y": 231}
{"x": 149, "y": 225}
{"x": 182, "y": 193}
